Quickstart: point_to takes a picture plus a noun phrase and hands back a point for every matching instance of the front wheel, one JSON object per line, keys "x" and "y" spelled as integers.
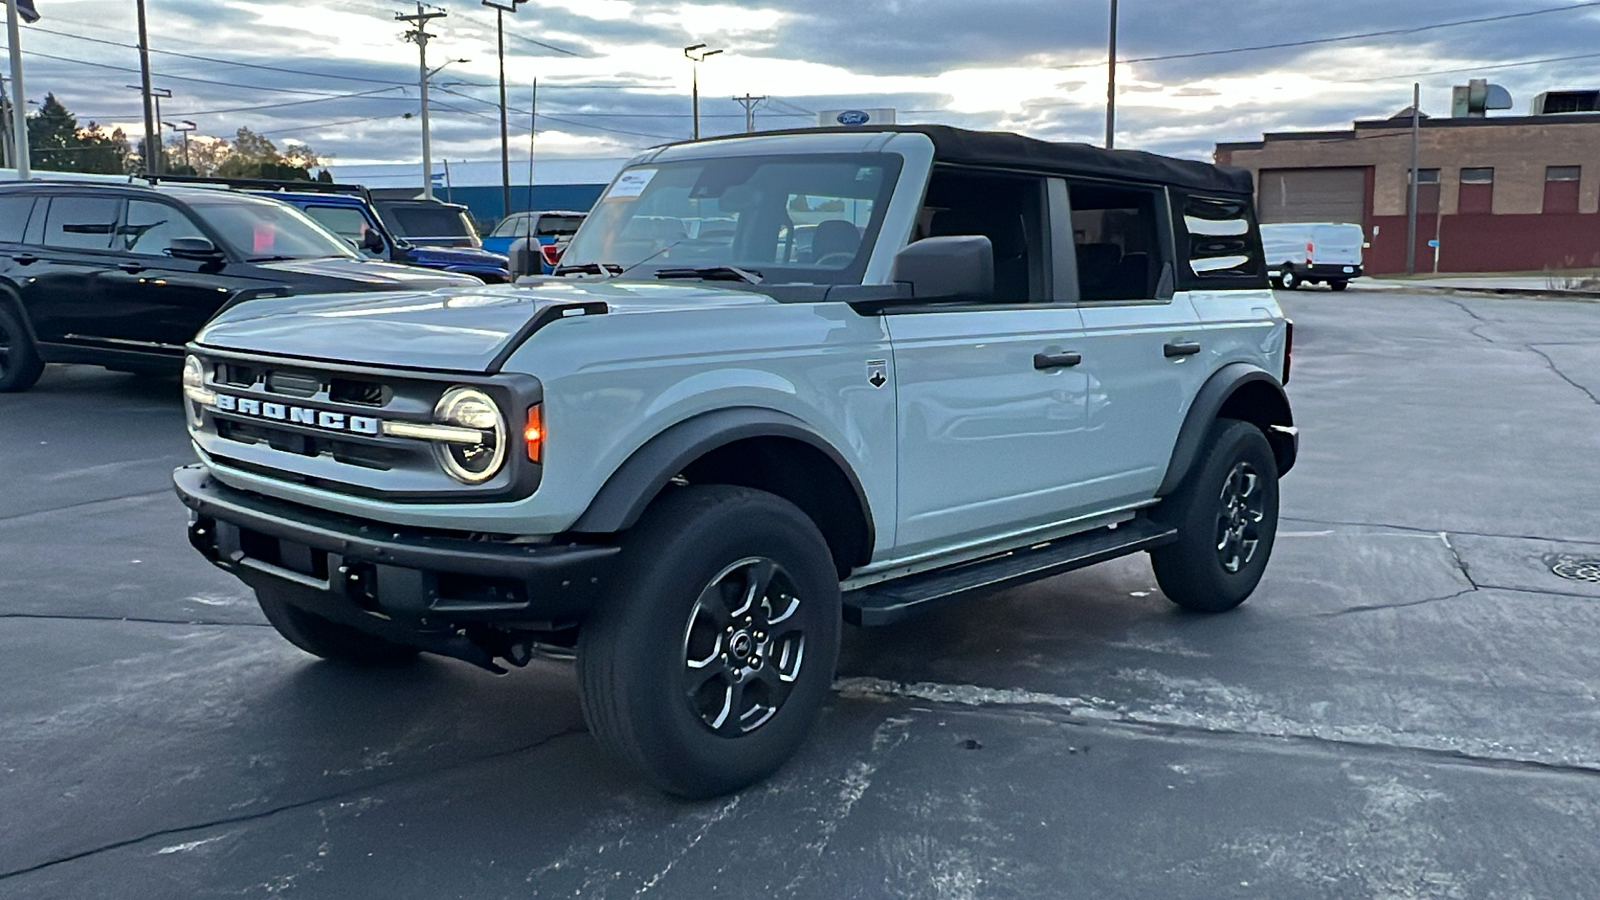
{"x": 20, "y": 365}
{"x": 708, "y": 664}
{"x": 329, "y": 639}
{"x": 1226, "y": 514}
{"x": 1290, "y": 281}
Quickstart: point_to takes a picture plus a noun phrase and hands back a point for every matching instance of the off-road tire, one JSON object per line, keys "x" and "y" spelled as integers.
{"x": 1338, "y": 285}
{"x": 638, "y": 648}
{"x": 331, "y": 640}
{"x": 20, "y": 365}
{"x": 1194, "y": 571}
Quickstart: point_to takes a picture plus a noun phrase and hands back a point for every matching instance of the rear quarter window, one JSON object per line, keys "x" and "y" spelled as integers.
{"x": 1219, "y": 242}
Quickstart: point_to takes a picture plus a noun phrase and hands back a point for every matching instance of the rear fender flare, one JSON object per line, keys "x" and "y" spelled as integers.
{"x": 1208, "y": 406}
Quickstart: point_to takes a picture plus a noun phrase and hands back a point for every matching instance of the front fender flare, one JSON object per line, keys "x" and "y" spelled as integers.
{"x": 629, "y": 490}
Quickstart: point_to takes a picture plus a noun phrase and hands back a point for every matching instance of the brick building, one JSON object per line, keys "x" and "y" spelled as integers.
{"x": 1500, "y": 194}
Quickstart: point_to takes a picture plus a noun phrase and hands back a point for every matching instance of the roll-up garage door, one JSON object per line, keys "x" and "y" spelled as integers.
{"x": 1313, "y": 195}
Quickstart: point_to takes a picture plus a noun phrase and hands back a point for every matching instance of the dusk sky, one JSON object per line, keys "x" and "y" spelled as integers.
{"x": 337, "y": 74}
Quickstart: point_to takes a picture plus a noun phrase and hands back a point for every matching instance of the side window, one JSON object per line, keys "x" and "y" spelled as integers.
{"x": 513, "y": 225}
{"x": 1116, "y": 234}
{"x": 14, "y": 212}
{"x": 1218, "y": 242}
{"x": 81, "y": 223}
{"x": 151, "y": 227}
{"x": 347, "y": 222}
{"x": 1010, "y": 210}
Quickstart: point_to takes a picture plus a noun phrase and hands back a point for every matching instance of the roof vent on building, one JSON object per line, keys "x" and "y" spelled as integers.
{"x": 1552, "y": 103}
{"x": 1475, "y": 98}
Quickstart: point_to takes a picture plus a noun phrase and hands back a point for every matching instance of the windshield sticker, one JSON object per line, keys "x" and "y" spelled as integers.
{"x": 631, "y": 184}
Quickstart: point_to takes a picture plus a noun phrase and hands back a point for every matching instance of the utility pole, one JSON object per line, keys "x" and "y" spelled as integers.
{"x": 749, "y": 103}
{"x": 505, "y": 134}
{"x": 152, "y": 132}
{"x": 152, "y": 163}
{"x": 19, "y": 109}
{"x": 697, "y": 54}
{"x": 419, "y": 35}
{"x": 1111, "y": 83}
{"x": 6, "y": 154}
{"x": 1411, "y": 191}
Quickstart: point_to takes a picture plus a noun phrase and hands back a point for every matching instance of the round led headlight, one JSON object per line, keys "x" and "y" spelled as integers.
{"x": 471, "y": 463}
{"x": 195, "y": 390}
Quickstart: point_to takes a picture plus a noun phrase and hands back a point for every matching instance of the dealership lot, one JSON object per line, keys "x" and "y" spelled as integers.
{"x": 1407, "y": 707}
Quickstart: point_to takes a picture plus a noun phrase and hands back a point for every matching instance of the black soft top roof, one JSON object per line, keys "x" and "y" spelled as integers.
{"x": 1000, "y": 148}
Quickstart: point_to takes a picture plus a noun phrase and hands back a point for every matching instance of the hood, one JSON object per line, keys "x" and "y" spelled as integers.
{"x": 369, "y": 274}
{"x": 459, "y": 256}
{"x": 462, "y": 330}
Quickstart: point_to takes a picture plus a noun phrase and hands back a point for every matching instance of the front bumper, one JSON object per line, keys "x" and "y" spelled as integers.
{"x": 400, "y": 583}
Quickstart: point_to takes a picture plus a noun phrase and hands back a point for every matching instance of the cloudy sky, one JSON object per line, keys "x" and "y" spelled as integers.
{"x": 613, "y": 79}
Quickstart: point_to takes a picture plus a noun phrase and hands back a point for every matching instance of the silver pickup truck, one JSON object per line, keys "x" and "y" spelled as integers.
{"x": 779, "y": 382}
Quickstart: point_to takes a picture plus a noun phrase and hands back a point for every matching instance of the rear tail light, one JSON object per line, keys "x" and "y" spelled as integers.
{"x": 1309, "y": 252}
{"x": 552, "y": 253}
{"x": 1288, "y": 348}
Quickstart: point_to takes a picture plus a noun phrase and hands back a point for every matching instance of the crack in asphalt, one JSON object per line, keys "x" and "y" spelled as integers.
{"x": 1562, "y": 375}
{"x": 71, "y": 506}
{"x": 1456, "y": 555}
{"x": 1087, "y": 712}
{"x": 1383, "y": 606}
{"x": 1481, "y": 320}
{"x": 287, "y": 807}
{"x": 139, "y": 619}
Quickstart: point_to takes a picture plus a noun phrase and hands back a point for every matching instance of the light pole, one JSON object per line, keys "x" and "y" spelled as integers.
{"x": 184, "y": 128}
{"x": 1111, "y": 82}
{"x": 697, "y": 54}
{"x": 19, "y": 109}
{"x": 505, "y": 134}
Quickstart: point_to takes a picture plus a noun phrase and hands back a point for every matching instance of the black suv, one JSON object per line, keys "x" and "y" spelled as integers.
{"x": 124, "y": 275}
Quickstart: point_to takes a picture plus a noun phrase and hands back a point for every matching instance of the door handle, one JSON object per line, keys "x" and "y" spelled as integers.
{"x": 1043, "y": 361}
{"x": 25, "y": 259}
{"x": 1180, "y": 348}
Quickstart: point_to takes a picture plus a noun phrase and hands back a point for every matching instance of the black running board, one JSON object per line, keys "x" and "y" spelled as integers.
{"x": 891, "y": 601}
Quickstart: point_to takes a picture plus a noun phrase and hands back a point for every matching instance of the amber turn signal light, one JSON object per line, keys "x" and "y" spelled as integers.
{"x": 533, "y": 433}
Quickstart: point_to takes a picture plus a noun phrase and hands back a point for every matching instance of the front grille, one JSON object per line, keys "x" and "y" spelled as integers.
{"x": 323, "y": 426}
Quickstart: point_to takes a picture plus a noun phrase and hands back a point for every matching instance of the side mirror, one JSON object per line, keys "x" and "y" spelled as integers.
{"x": 194, "y": 248}
{"x": 947, "y": 268}
{"x": 372, "y": 242}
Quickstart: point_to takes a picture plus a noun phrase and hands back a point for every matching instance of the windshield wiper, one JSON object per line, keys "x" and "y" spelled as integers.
{"x": 255, "y": 259}
{"x": 712, "y": 273}
{"x": 591, "y": 268}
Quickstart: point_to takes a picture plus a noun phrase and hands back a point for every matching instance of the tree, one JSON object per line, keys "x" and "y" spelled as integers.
{"x": 56, "y": 142}
{"x": 254, "y": 156}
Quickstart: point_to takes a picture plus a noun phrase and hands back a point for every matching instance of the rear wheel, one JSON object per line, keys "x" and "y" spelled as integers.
{"x": 708, "y": 664}
{"x": 1338, "y": 285}
{"x": 329, "y": 639}
{"x": 1226, "y": 513}
{"x": 20, "y": 365}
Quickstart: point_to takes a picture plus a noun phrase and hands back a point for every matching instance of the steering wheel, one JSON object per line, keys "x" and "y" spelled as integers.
{"x": 837, "y": 259}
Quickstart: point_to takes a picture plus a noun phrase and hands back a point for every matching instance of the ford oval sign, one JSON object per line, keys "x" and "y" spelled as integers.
{"x": 853, "y": 117}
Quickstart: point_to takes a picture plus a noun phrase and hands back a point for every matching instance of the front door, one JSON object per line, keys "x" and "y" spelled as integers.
{"x": 174, "y": 297}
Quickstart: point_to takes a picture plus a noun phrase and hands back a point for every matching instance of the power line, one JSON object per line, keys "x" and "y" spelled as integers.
{"x": 1488, "y": 68}
{"x": 332, "y": 124}
{"x": 1342, "y": 38}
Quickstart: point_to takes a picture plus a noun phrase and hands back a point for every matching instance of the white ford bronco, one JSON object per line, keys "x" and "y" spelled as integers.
{"x": 779, "y": 382}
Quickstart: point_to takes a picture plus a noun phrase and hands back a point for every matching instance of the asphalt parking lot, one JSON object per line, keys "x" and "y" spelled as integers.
{"x": 1407, "y": 708}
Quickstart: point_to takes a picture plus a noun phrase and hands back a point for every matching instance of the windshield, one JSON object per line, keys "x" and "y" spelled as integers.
{"x": 810, "y": 219}
{"x": 430, "y": 221}
{"x": 263, "y": 230}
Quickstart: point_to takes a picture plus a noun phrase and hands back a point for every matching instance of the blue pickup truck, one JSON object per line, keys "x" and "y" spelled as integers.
{"x": 348, "y": 211}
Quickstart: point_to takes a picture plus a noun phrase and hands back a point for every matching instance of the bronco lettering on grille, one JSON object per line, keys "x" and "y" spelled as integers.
{"x": 299, "y": 415}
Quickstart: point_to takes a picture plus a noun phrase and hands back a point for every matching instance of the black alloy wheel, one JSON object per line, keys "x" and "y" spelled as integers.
{"x": 743, "y": 647}
{"x": 20, "y": 365}
{"x": 1239, "y": 518}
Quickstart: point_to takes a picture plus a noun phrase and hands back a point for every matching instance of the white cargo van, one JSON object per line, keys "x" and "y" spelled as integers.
{"x": 1312, "y": 253}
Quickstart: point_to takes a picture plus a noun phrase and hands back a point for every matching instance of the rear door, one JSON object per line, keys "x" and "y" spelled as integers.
{"x": 1142, "y": 348}
{"x": 1336, "y": 245}
{"x": 67, "y": 290}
